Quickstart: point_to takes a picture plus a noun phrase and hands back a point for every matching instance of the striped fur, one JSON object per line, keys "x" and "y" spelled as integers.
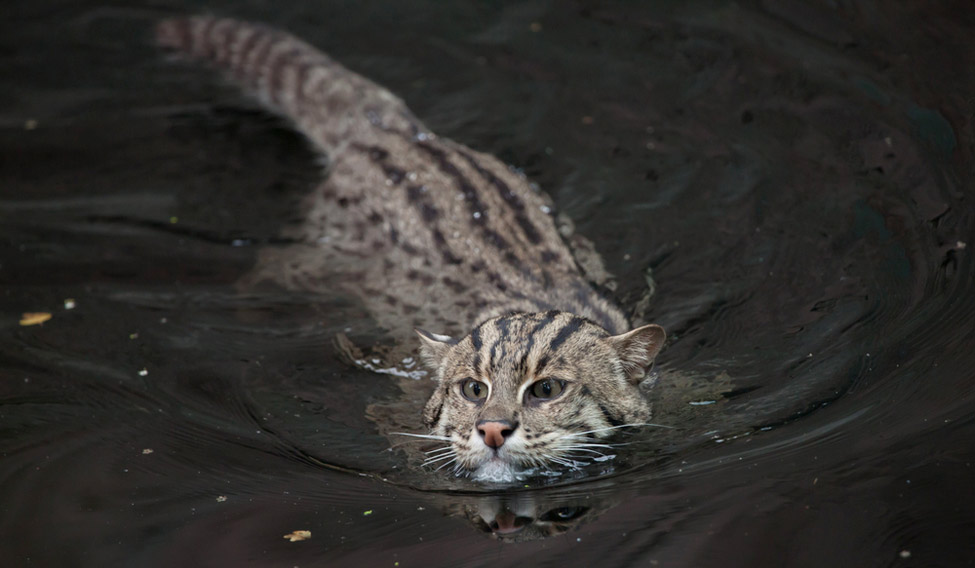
{"x": 510, "y": 354}
{"x": 426, "y": 232}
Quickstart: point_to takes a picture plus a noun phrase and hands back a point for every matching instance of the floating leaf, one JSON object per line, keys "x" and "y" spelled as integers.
{"x": 298, "y": 535}
{"x": 34, "y": 318}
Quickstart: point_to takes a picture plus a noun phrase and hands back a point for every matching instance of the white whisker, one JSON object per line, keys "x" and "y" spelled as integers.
{"x": 579, "y": 460}
{"x": 435, "y": 459}
{"x": 445, "y": 464}
{"x": 446, "y": 449}
{"x": 575, "y": 449}
{"x": 560, "y": 461}
{"x": 424, "y": 436}
{"x": 586, "y": 445}
{"x": 441, "y": 454}
{"x": 608, "y": 428}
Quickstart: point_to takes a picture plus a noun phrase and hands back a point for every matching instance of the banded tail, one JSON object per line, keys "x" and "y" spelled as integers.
{"x": 331, "y": 105}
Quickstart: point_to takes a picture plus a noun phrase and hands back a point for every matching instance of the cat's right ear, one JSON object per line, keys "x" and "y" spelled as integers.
{"x": 434, "y": 347}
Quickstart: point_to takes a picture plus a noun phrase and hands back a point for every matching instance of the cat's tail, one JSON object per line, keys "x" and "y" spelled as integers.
{"x": 331, "y": 105}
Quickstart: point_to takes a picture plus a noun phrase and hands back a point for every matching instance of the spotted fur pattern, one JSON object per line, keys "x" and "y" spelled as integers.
{"x": 429, "y": 233}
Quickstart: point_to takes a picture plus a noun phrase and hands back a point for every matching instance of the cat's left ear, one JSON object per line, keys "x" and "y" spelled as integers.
{"x": 637, "y": 350}
{"x": 434, "y": 347}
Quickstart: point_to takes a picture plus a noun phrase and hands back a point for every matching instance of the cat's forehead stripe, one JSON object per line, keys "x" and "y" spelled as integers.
{"x": 541, "y": 325}
{"x": 523, "y": 344}
{"x": 477, "y": 366}
{"x": 566, "y": 332}
{"x": 476, "y": 338}
{"x": 502, "y": 325}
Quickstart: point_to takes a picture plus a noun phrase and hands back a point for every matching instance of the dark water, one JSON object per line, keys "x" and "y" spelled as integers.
{"x": 796, "y": 177}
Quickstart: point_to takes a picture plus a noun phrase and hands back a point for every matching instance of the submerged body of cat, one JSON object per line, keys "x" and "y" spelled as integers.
{"x": 430, "y": 234}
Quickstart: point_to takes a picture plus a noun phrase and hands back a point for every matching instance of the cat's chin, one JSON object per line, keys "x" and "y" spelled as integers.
{"x": 497, "y": 470}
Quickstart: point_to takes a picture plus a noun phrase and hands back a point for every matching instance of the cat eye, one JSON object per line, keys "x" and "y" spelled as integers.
{"x": 546, "y": 389}
{"x": 563, "y": 514}
{"x": 474, "y": 391}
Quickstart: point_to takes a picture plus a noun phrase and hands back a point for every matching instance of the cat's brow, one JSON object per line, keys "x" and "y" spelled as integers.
{"x": 530, "y": 342}
{"x": 566, "y": 332}
{"x": 502, "y": 325}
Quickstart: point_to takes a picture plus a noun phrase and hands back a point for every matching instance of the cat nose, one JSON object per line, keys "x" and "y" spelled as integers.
{"x": 494, "y": 432}
{"x": 506, "y": 523}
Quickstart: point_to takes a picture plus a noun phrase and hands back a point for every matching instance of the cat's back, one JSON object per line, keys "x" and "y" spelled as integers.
{"x": 422, "y": 228}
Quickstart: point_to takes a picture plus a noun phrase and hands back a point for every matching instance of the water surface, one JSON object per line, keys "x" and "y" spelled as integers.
{"x": 793, "y": 180}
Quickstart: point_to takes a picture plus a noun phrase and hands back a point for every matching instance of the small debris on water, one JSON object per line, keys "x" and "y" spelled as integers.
{"x": 905, "y": 554}
{"x": 702, "y": 402}
{"x": 960, "y": 245}
{"x": 147, "y": 451}
{"x": 69, "y": 303}
{"x": 367, "y": 513}
{"x": 221, "y": 498}
{"x": 143, "y": 372}
{"x": 296, "y": 536}
{"x": 34, "y": 318}
{"x": 30, "y": 124}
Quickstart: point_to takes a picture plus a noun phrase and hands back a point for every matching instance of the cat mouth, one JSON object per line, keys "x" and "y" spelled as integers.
{"x": 496, "y": 469}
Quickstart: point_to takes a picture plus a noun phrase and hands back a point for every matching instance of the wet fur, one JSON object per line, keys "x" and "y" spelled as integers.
{"x": 428, "y": 233}
{"x": 510, "y": 353}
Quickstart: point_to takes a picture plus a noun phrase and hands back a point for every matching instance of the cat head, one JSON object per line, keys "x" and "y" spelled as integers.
{"x": 535, "y": 390}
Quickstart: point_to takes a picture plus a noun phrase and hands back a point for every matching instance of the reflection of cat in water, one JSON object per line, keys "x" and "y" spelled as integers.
{"x": 534, "y": 366}
{"x": 522, "y": 517}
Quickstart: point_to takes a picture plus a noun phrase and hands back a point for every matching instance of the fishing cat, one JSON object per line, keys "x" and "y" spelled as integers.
{"x": 533, "y": 365}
